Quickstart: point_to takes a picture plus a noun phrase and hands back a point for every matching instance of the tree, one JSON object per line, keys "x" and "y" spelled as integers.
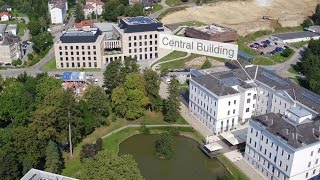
{"x": 45, "y": 86}
{"x": 107, "y": 165}
{"x": 53, "y": 158}
{"x": 287, "y": 52}
{"x": 119, "y": 100}
{"x": 316, "y": 16}
{"x": 28, "y": 147}
{"x": 164, "y": 147}
{"x": 130, "y": 65}
{"x": 90, "y": 150}
{"x": 34, "y": 28}
{"x": 78, "y": 13}
{"x": 112, "y": 76}
{"x": 134, "y": 10}
{"x": 97, "y": 101}
{"x": 42, "y": 42}
{"x": 306, "y": 23}
{"x": 16, "y": 104}
{"x": 112, "y": 9}
{"x": 153, "y": 86}
{"x": 207, "y": 64}
{"x": 172, "y": 104}
{"x": 135, "y": 81}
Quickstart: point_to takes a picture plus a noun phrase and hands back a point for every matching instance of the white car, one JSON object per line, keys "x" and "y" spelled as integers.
{"x": 96, "y": 81}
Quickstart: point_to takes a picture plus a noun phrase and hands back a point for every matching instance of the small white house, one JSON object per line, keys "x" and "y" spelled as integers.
{"x": 58, "y": 11}
{"x": 91, "y": 6}
{"x": 5, "y": 16}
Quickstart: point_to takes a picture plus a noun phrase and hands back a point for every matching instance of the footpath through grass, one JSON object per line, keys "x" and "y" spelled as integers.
{"x": 156, "y": 7}
{"x": 233, "y": 169}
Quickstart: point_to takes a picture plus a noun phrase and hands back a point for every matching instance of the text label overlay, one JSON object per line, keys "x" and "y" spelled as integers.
{"x": 198, "y": 46}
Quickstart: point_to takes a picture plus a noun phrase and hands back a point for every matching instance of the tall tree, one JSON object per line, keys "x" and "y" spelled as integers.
{"x": 112, "y": 76}
{"x": 112, "y": 9}
{"x": 97, "y": 101}
{"x": 107, "y": 165}
{"x": 78, "y": 13}
{"x": 46, "y": 85}
{"x": 53, "y": 158}
{"x": 172, "y": 104}
{"x": 153, "y": 86}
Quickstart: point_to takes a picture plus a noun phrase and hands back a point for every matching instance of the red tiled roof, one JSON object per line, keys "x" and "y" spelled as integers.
{"x": 84, "y": 23}
{"x": 4, "y": 13}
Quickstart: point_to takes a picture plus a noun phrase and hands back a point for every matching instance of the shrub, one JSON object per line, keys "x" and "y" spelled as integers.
{"x": 164, "y": 147}
{"x": 287, "y": 52}
{"x": 90, "y": 150}
{"x": 307, "y": 23}
{"x": 143, "y": 129}
{"x": 207, "y": 64}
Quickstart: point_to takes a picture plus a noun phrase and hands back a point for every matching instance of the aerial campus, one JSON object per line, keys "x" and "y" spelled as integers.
{"x": 159, "y": 89}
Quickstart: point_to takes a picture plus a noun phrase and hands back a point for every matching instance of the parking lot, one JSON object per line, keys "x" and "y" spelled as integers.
{"x": 268, "y": 46}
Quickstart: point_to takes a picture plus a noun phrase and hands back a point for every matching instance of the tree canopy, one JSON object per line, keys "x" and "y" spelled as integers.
{"x": 172, "y": 104}
{"x": 107, "y": 165}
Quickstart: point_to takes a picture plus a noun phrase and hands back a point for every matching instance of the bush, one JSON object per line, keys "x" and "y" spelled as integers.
{"x": 90, "y": 150}
{"x": 287, "y": 52}
{"x": 307, "y": 23}
{"x": 164, "y": 147}
{"x": 143, "y": 129}
{"x": 207, "y": 64}
{"x": 30, "y": 56}
{"x": 16, "y": 62}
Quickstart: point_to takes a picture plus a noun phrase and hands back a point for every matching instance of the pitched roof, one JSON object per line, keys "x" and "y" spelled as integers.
{"x": 4, "y": 13}
{"x": 98, "y": 2}
{"x": 85, "y": 23}
{"x": 88, "y": 6}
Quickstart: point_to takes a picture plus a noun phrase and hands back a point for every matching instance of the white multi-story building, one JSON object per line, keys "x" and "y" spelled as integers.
{"x": 256, "y": 91}
{"x": 58, "y": 11}
{"x": 93, "y": 6}
{"x": 285, "y": 146}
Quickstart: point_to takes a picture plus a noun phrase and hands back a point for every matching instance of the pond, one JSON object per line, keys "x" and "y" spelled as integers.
{"x": 189, "y": 161}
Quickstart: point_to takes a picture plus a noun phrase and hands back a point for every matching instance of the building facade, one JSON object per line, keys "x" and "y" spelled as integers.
{"x": 10, "y": 49}
{"x": 93, "y": 6}
{"x": 136, "y": 37}
{"x": 256, "y": 90}
{"x": 58, "y": 11}
{"x": 285, "y": 146}
{"x": 80, "y": 48}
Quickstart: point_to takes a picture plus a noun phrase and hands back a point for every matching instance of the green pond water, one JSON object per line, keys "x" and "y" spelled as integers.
{"x": 189, "y": 161}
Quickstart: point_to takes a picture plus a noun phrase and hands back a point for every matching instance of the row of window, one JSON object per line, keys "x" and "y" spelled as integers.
{"x": 145, "y": 50}
{"x": 145, "y": 43}
{"x": 78, "y": 53}
{"x": 145, "y": 37}
{"x": 76, "y": 47}
{"x": 78, "y": 65}
{"x": 78, "y": 58}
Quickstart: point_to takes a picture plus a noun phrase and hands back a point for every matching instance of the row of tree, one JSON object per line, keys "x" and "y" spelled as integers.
{"x": 34, "y": 122}
{"x": 114, "y": 8}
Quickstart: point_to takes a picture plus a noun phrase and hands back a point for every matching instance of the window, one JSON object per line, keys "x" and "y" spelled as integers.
{"x": 280, "y": 164}
{"x": 61, "y": 65}
{"x": 229, "y": 103}
{"x": 228, "y": 112}
{"x": 134, "y": 44}
{"x": 282, "y": 153}
{"x": 77, "y": 47}
{"x": 311, "y": 153}
{"x": 71, "y": 47}
{"x": 94, "y": 47}
{"x": 251, "y": 130}
{"x": 254, "y": 96}
{"x": 248, "y": 109}
{"x": 267, "y": 141}
{"x": 156, "y": 35}
{"x": 134, "y": 37}
{"x": 286, "y": 167}
{"x": 60, "y": 48}
{"x": 249, "y": 140}
{"x": 150, "y": 42}
{"x": 140, "y": 37}
{"x": 257, "y": 134}
{"x": 269, "y": 155}
{"x": 150, "y": 36}
{"x": 317, "y": 161}
{"x": 314, "y": 171}
{"x": 306, "y": 175}
{"x": 150, "y": 48}
{"x": 66, "y": 48}
{"x": 234, "y": 111}
{"x": 82, "y": 47}
{"x": 60, "y": 53}
{"x": 309, "y": 164}
{"x": 248, "y": 100}
{"x": 145, "y": 36}
{"x": 129, "y": 50}
{"x": 88, "y": 47}
{"x": 249, "y": 94}
{"x": 235, "y": 102}
{"x": 129, "y": 44}
{"x": 140, "y": 43}
{"x": 129, "y": 38}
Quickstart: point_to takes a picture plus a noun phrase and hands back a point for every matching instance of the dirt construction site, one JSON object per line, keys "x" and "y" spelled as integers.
{"x": 246, "y": 16}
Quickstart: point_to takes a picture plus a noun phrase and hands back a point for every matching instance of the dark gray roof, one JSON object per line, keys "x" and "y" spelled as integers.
{"x": 80, "y": 36}
{"x": 273, "y": 80}
{"x": 295, "y": 135}
{"x": 10, "y": 39}
{"x": 140, "y": 24}
{"x": 214, "y": 85}
{"x": 295, "y": 35}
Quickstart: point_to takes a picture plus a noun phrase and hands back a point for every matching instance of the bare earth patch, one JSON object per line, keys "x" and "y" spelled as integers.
{"x": 246, "y": 16}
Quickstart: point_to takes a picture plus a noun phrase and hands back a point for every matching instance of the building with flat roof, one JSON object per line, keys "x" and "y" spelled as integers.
{"x": 222, "y": 100}
{"x": 285, "y": 146}
{"x": 80, "y": 48}
{"x": 136, "y": 37}
{"x": 35, "y": 174}
{"x": 212, "y": 32}
{"x": 293, "y": 37}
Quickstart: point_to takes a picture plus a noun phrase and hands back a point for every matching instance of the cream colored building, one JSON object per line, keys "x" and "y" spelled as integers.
{"x": 9, "y": 49}
{"x": 136, "y": 37}
{"x": 79, "y": 48}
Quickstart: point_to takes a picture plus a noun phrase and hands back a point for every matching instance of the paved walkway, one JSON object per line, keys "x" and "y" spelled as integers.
{"x": 138, "y": 125}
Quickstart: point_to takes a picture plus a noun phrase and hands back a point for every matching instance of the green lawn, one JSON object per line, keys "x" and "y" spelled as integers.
{"x": 156, "y": 7}
{"x": 16, "y": 13}
{"x": 236, "y": 173}
{"x": 22, "y": 28}
{"x": 179, "y": 63}
{"x": 173, "y": 55}
{"x": 50, "y": 65}
{"x": 191, "y": 23}
{"x": 292, "y": 70}
{"x": 9, "y": 22}
{"x": 299, "y": 44}
{"x": 262, "y": 60}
